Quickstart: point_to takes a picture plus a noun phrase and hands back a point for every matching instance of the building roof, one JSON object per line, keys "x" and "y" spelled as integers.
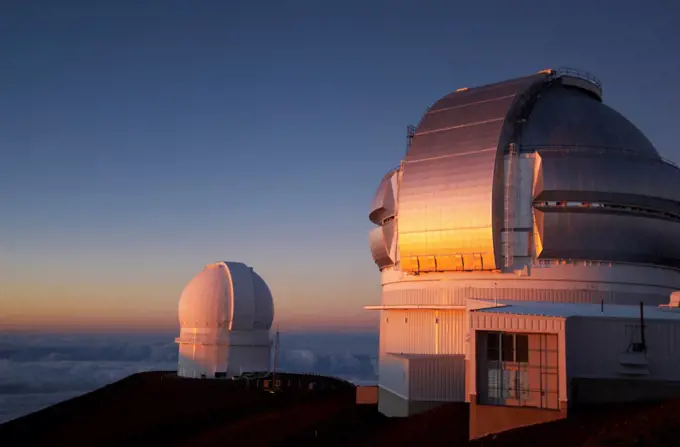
{"x": 423, "y": 356}
{"x": 568, "y": 310}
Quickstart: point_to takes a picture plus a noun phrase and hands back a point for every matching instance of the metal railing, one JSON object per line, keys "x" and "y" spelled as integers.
{"x": 579, "y": 74}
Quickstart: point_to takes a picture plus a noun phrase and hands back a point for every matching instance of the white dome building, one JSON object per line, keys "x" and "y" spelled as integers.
{"x": 225, "y": 314}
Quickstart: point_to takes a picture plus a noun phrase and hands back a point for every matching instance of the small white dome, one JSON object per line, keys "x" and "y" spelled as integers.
{"x": 229, "y": 296}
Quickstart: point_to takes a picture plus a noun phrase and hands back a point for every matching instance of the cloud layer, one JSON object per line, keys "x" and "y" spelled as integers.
{"x": 38, "y": 370}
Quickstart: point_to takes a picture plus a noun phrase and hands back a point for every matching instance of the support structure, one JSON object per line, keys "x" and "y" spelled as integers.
{"x": 509, "y": 221}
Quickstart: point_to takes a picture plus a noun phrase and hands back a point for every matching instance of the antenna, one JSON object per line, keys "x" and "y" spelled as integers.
{"x": 276, "y": 358}
{"x": 410, "y": 133}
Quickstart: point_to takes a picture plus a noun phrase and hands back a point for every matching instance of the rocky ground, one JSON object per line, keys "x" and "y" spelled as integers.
{"x": 161, "y": 409}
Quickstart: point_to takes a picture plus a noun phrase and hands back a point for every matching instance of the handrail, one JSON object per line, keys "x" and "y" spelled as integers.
{"x": 580, "y": 74}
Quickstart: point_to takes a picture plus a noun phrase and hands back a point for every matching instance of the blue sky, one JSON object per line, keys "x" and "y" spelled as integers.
{"x": 141, "y": 140}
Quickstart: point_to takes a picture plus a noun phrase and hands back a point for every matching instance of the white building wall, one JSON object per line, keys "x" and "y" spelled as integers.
{"x": 423, "y": 331}
{"x": 233, "y": 353}
{"x": 446, "y": 331}
{"x": 595, "y": 347}
{"x": 393, "y": 372}
{"x": 197, "y": 360}
{"x": 437, "y": 378}
{"x": 408, "y": 333}
{"x": 550, "y": 282}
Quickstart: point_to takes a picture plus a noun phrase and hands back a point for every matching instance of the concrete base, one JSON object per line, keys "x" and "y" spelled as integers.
{"x": 392, "y": 405}
{"x": 490, "y": 419}
{"x": 585, "y": 392}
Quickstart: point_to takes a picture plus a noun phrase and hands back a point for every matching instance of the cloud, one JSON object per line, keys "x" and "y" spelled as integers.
{"x": 39, "y": 370}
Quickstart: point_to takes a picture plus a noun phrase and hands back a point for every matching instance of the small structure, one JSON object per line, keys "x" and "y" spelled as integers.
{"x": 367, "y": 395}
{"x": 225, "y": 314}
{"x": 530, "y": 362}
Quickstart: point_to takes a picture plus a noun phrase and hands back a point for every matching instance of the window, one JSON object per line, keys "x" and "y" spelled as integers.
{"x": 508, "y": 346}
{"x": 520, "y": 369}
{"x": 493, "y": 346}
{"x": 521, "y": 348}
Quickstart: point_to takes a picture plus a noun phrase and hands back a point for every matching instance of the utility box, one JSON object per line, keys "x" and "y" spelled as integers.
{"x": 367, "y": 395}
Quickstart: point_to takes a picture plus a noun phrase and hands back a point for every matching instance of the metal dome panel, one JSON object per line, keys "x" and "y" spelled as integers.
{"x": 383, "y": 205}
{"x": 382, "y": 241}
{"x": 601, "y": 236}
{"x": 570, "y": 118}
{"x": 451, "y": 175}
{"x": 264, "y": 304}
{"x": 608, "y": 177}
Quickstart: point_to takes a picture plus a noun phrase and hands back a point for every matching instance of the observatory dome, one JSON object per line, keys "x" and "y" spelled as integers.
{"x": 225, "y": 313}
{"x": 227, "y": 295}
{"x": 530, "y": 189}
{"x": 531, "y": 170}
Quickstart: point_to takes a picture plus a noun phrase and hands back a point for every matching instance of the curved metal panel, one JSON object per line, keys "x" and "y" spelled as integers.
{"x": 384, "y": 201}
{"x": 608, "y": 178}
{"x": 264, "y": 304}
{"x": 390, "y": 237}
{"x": 483, "y": 93}
{"x": 566, "y": 117}
{"x": 380, "y": 249}
{"x": 243, "y": 290}
{"x": 448, "y": 194}
{"x": 609, "y": 237}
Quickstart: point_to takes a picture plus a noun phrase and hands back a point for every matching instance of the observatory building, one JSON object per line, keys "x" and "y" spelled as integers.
{"x": 525, "y": 208}
{"x": 225, "y": 313}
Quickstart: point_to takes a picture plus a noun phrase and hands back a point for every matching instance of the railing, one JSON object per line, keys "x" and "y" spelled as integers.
{"x": 548, "y": 262}
{"x": 580, "y": 74}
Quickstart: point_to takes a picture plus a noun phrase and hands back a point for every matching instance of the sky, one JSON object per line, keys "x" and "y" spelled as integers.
{"x": 141, "y": 140}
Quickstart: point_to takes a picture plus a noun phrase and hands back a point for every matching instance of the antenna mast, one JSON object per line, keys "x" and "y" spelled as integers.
{"x": 276, "y": 358}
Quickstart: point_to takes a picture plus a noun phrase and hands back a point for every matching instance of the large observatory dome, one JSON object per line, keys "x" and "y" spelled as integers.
{"x": 525, "y": 190}
{"x": 540, "y": 159}
{"x": 225, "y": 313}
{"x": 227, "y": 295}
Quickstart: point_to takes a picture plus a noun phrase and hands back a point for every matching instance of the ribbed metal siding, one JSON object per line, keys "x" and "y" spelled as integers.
{"x": 426, "y": 293}
{"x": 486, "y": 321}
{"x": 443, "y": 293}
{"x": 437, "y": 378}
{"x": 423, "y": 332}
{"x": 452, "y": 329}
{"x": 409, "y": 332}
